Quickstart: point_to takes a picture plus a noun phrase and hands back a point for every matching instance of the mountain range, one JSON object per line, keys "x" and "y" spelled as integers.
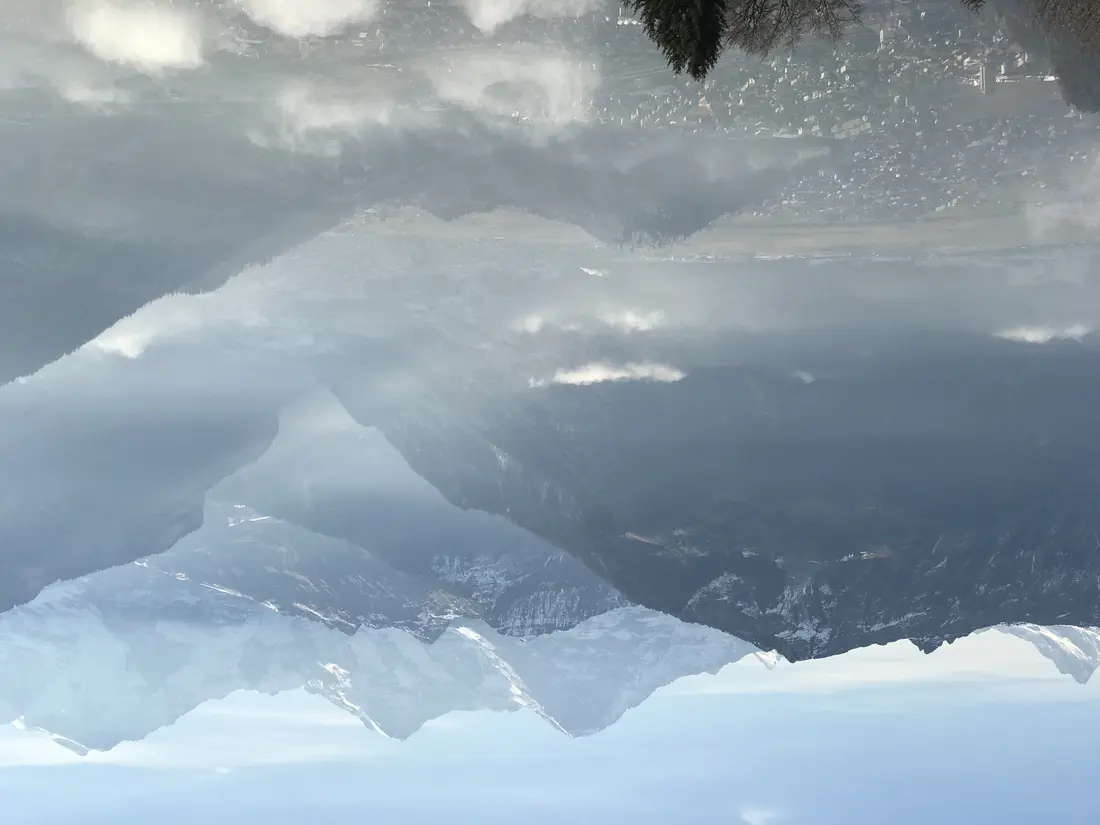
{"x": 116, "y": 655}
{"x": 920, "y": 494}
{"x": 915, "y": 488}
{"x": 119, "y": 654}
{"x": 375, "y": 592}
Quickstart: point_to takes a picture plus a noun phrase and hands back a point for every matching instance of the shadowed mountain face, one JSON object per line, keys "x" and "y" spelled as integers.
{"x": 822, "y": 499}
{"x": 108, "y": 462}
{"x": 808, "y": 491}
{"x": 385, "y": 546}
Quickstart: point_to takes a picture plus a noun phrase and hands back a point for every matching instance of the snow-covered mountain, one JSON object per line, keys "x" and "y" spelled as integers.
{"x": 115, "y": 656}
{"x": 299, "y": 572}
{"x": 331, "y": 523}
{"x": 1075, "y": 651}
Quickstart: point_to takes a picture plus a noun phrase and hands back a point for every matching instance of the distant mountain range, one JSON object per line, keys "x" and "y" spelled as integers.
{"x": 403, "y": 609}
{"x": 114, "y": 656}
{"x": 918, "y": 489}
{"x": 119, "y": 654}
{"x": 516, "y": 589}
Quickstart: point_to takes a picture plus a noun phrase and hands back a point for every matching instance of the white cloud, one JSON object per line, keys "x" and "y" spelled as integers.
{"x": 316, "y": 121}
{"x": 538, "y": 86}
{"x": 599, "y": 373}
{"x": 803, "y": 376}
{"x": 530, "y": 324}
{"x": 628, "y": 320}
{"x": 93, "y": 96}
{"x": 127, "y": 345}
{"x": 631, "y": 321}
{"x": 304, "y": 18}
{"x": 174, "y": 316}
{"x": 1044, "y": 335}
{"x": 487, "y": 15}
{"x": 152, "y": 39}
{"x": 759, "y": 816}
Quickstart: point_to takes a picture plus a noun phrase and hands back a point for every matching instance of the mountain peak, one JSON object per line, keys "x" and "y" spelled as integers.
{"x": 1075, "y": 651}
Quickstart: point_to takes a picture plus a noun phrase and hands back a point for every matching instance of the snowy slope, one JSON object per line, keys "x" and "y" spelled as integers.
{"x": 118, "y": 655}
{"x": 1075, "y": 651}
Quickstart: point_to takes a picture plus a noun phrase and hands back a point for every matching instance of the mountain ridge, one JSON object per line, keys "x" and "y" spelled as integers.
{"x": 128, "y": 675}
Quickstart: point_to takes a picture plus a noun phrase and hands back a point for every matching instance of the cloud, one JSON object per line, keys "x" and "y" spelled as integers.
{"x": 759, "y": 816}
{"x": 178, "y": 315}
{"x": 628, "y": 321}
{"x": 537, "y": 86}
{"x": 305, "y": 18}
{"x": 1044, "y": 335}
{"x": 93, "y": 96}
{"x": 530, "y": 324}
{"x": 631, "y": 321}
{"x": 312, "y": 120}
{"x": 127, "y": 345}
{"x": 544, "y": 90}
{"x": 599, "y": 373}
{"x": 162, "y": 319}
{"x": 152, "y": 39}
{"x": 488, "y": 15}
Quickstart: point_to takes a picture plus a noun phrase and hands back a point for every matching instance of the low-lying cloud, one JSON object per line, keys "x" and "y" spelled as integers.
{"x": 306, "y": 18}
{"x": 93, "y": 96}
{"x": 488, "y": 15}
{"x": 627, "y": 320}
{"x": 537, "y": 86}
{"x": 176, "y": 316}
{"x": 1044, "y": 335}
{"x": 151, "y": 39}
{"x": 602, "y": 372}
{"x": 632, "y": 321}
{"x": 313, "y": 120}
